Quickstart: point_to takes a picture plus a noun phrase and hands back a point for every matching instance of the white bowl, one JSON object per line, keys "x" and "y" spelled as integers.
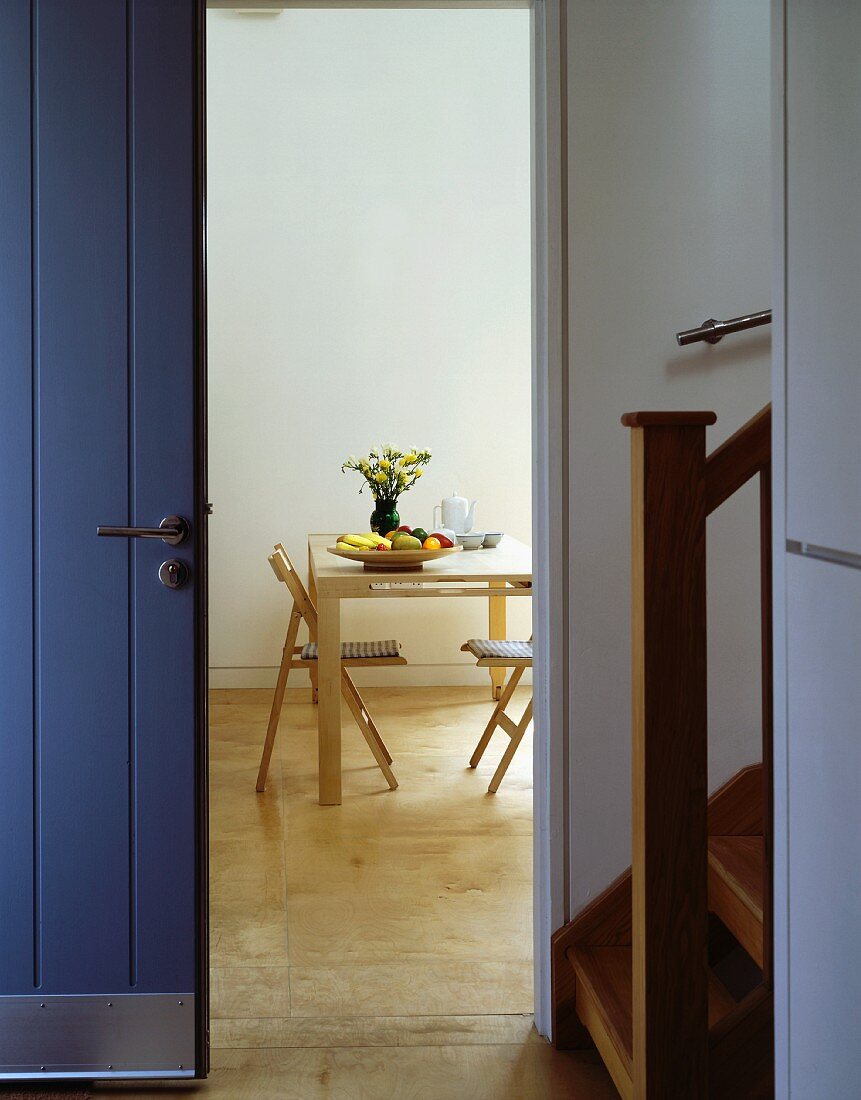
{"x": 472, "y": 541}
{"x": 491, "y": 539}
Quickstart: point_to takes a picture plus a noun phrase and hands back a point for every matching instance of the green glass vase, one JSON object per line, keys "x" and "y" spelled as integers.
{"x": 384, "y": 517}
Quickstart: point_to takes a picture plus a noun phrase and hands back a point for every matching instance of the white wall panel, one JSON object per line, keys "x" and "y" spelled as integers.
{"x": 823, "y": 240}
{"x": 824, "y": 737}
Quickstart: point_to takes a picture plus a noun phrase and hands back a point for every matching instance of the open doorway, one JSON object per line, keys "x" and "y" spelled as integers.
{"x": 370, "y": 282}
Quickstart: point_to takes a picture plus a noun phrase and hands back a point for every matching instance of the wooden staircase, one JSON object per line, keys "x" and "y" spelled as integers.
{"x": 668, "y": 972}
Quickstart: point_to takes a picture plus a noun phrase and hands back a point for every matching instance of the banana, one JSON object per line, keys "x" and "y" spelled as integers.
{"x": 358, "y": 542}
{"x": 363, "y": 542}
{"x": 378, "y": 540}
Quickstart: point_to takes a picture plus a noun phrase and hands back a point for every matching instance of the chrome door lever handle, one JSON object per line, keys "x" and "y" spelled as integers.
{"x": 173, "y": 530}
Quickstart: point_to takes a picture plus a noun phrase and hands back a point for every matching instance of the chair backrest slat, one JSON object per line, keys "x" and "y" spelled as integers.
{"x": 285, "y": 571}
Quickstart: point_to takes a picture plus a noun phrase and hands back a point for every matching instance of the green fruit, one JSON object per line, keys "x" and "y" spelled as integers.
{"x": 420, "y": 534}
{"x": 406, "y": 542}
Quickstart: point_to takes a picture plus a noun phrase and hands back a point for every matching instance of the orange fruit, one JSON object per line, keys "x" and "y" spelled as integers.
{"x": 431, "y": 543}
{"x": 391, "y": 534}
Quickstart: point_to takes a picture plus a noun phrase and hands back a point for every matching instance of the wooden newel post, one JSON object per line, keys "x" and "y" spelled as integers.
{"x": 670, "y": 759}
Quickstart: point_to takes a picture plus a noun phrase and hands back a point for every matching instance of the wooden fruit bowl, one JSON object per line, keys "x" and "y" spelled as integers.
{"x": 393, "y": 559}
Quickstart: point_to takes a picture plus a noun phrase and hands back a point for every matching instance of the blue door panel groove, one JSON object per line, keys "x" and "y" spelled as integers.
{"x": 161, "y": 180}
{"x": 82, "y": 480}
{"x": 17, "y": 823}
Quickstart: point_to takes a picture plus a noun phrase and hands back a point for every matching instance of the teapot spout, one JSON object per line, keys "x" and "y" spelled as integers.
{"x": 470, "y": 517}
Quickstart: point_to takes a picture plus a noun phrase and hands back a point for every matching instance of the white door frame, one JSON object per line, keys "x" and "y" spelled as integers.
{"x": 780, "y": 767}
{"x": 550, "y": 495}
{"x": 549, "y": 449}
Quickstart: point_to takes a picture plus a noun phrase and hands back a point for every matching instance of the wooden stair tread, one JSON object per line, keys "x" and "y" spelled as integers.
{"x": 740, "y": 861}
{"x": 605, "y": 1005}
{"x": 737, "y": 887}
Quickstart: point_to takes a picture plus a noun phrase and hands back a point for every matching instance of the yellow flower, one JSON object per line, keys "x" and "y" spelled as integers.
{"x": 385, "y": 464}
{"x": 419, "y": 473}
{"x": 411, "y": 457}
{"x": 381, "y": 478}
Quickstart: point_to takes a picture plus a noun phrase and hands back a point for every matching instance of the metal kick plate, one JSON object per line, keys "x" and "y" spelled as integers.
{"x": 92, "y": 1037}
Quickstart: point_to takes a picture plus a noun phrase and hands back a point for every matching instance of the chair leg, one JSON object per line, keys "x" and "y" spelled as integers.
{"x": 358, "y": 715}
{"x": 278, "y": 699}
{"x": 312, "y": 631}
{"x": 499, "y": 709}
{"x": 372, "y": 726}
{"x": 511, "y": 749}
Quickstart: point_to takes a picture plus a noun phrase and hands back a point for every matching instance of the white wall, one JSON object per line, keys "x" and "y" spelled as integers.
{"x": 669, "y": 209}
{"x": 369, "y": 281}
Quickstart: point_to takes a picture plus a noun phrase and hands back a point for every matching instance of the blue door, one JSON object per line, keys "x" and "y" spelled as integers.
{"x": 102, "y": 700}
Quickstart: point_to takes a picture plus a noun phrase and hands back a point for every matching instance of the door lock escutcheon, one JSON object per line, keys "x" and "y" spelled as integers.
{"x": 173, "y": 573}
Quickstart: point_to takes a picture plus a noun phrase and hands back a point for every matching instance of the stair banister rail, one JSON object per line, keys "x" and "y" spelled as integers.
{"x": 744, "y": 455}
{"x": 675, "y": 486}
{"x": 741, "y": 457}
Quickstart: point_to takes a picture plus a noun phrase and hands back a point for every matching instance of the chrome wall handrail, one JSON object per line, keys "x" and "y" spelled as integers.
{"x": 712, "y": 331}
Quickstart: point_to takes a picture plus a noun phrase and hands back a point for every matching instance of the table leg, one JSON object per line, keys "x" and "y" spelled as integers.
{"x": 329, "y": 712}
{"x": 312, "y": 629}
{"x": 497, "y": 629}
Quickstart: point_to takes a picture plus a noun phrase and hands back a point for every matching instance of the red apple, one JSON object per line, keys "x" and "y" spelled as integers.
{"x": 444, "y": 542}
{"x": 406, "y": 530}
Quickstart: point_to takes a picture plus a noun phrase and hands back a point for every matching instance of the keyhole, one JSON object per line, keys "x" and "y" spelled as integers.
{"x": 173, "y": 573}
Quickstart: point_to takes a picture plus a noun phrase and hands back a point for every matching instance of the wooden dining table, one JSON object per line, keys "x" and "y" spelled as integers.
{"x": 495, "y": 575}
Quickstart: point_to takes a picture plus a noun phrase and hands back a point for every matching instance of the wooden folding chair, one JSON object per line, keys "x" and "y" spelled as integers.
{"x": 353, "y": 655}
{"x": 502, "y": 654}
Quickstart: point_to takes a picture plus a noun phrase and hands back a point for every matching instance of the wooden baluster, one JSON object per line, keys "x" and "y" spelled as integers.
{"x": 670, "y": 760}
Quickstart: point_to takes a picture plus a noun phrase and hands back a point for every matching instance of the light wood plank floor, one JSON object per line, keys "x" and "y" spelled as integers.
{"x": 401, "y": 919}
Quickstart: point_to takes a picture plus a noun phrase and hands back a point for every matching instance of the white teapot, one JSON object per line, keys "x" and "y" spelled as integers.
{"x": 457, "y": 513}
